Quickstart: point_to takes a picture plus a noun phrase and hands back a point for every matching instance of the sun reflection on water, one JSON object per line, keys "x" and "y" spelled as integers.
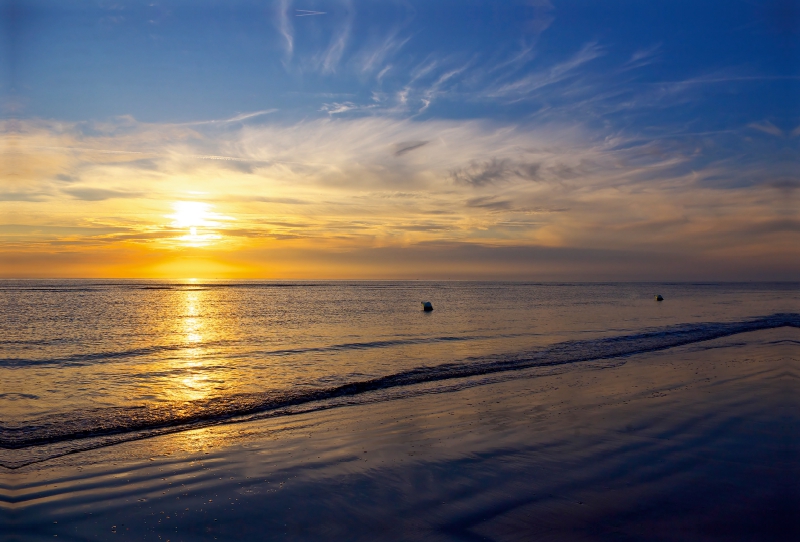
{"x": 192, "y": 380}
{"x": 192, "y": 323}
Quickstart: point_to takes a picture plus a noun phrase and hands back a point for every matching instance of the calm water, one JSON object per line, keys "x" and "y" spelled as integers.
{"x": 82, "y": 362}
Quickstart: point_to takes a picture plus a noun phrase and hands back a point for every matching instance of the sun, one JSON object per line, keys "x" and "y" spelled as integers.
{"x": 198, "y": 220}
{"x": 191, "y": 214}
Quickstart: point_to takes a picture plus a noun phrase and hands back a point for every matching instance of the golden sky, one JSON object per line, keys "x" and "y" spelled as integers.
{"x": 533, "y": 140}
{"x": 372, "y": 198}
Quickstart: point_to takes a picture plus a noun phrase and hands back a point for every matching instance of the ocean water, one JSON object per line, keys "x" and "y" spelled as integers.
{"x": 88, "y": 363}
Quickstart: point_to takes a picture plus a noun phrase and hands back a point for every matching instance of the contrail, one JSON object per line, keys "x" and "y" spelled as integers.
{"x": 308, "y": 13}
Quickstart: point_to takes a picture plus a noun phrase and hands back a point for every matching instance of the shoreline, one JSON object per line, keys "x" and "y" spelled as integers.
{"x": 693, "y": 443}
{"x": 70, "y": 432}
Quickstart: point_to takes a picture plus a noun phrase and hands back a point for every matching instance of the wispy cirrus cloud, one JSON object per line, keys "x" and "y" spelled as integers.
{"x": 237, "y": 118}
{"x": 642, "y": 57}
{"x": 348, "y": 184}
{"x": 307, "y": 13}
{"x": 402, "y": 127}
{"x": 285, "y": 27}
{"x": 767, "y": 127}
{"x": 373, "y": 57}
{"x": 438, "y": 85}
{"x": 514, "y": 61}
{"x": 337, "y": 108}
{"x": 537, "y": 80}
{"x": 327, "y": 61}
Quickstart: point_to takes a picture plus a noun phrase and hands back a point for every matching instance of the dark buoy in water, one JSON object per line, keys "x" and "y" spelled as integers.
{"x": 426, "y": 306}
{"x": 659, "y": 298}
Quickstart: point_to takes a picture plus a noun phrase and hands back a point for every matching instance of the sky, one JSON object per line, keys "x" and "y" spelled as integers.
{"x": 379, "y": 139}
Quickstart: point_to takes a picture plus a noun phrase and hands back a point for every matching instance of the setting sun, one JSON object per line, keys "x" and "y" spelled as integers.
{"x": 399, "y": 270}
{"x": 198, "y": 218}
{"x": 190, "y": 214}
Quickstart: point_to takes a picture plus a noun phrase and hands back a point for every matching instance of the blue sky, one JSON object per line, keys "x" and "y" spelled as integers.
{"x": 656, "y": 97}
{"x": 184, "y": 61}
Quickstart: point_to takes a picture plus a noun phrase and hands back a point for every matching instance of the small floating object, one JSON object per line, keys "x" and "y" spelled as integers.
{"x": 426, "y": 306}
{"x": 659, "y": 298}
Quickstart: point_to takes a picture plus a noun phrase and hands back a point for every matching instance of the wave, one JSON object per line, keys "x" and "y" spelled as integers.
{"x": 367, "y": 345}
{"x": 128, "y": 423}
{"x": 83, "y": 359}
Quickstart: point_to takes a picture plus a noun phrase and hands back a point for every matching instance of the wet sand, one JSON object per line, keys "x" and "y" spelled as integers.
{"x": 694, "y": 443}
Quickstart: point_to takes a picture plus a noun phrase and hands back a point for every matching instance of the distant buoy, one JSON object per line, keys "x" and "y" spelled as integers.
{"x": 426, "y": 306}
{"x": 659, "y": 298}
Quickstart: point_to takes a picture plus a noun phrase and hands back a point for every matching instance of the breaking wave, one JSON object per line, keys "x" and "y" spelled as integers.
{"x": 71, "y": 431}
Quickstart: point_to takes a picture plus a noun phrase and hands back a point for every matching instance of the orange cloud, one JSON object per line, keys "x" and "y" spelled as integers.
{"x": 379, "y": 197}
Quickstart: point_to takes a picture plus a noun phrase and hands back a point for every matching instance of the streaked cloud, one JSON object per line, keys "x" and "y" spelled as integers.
{"x": 22, "y": 196}
{"x": 285, "y": 26}
{"x": 494, "y": 171}
{"x": 407, "y": 146}
{"x": 338, "y": 183}
{"x": 361, "y": 138}
{"x": 327, "y": 61}
{"x": 307, "y": 13}
{"x": 767, "y": 127}
{"x": 237, "y": 118}
{"x": 99, "y": 194}
{"x": 373, "y": 57}
{"x": 555, "y": 74}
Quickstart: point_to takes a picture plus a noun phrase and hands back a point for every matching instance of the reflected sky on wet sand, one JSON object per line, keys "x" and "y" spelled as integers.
{"x": 689, "y": 444}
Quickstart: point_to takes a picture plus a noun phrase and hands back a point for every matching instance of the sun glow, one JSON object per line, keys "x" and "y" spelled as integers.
{"x": 191, "y": 214}
{"x": 199, "y": 222}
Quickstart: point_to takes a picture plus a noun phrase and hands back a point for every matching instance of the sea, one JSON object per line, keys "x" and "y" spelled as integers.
{"x": 92, "y": 363}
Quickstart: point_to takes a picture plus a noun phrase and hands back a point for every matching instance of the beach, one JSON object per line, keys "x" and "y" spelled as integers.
{"x": 696, "y": 442}
{"x": 399, "y": 271}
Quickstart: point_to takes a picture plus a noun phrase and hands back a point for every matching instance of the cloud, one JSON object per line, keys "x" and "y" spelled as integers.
{"x": 285, "y": 201}
{"x": 788, "y": 185}
{"x": 363, "y": 168}
{"x": 542, "y": 16}
{"x": 141, "y": 163}
{"x": 775, "y": 225}
{"x": 236, "y": 118}
{"x": 337, "y": 108}
{"x": 382, "y": 73}
{"x": 27, "y": 230}
{"x": 516, "y": 61}
{"x": 407, "y": 146}
{"x": 642, "y": 57}
{"x": 22, "y": 196}
{"x": 335, "y": 183}
{"x": 372, "y": 57}
{"x": 436, "y": 88}
{"x": 489, "y": 202}
{"x": 307, "y": 13}
{"x": 285, "y": 26}
{"x": 99, "y": 194}
{"x": 494, "y": 171}
{"x": 482, "y": 173}
{"x": 555, "y": 74}
{"x": 767, "y": 127}
{"x": 328, "y": 60}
